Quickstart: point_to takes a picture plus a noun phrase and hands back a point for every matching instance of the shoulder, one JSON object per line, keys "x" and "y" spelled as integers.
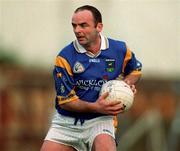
{"x": 65, "y": 57}
{"x": 117, "y": 44}
{"x": 115, "y": 41}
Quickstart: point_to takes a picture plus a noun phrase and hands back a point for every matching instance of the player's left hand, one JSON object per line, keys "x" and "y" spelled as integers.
{"x": 132, "y": 86}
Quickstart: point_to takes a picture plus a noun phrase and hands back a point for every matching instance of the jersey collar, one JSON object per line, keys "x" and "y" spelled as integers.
{"x": 81, "y": 49}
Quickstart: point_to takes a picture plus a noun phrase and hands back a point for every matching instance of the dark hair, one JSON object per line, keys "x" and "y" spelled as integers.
{"x": 95, "y": 12}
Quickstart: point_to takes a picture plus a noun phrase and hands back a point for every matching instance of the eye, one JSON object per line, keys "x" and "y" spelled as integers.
{"x": 84, "y": 25}
{"x": 74, "y": 25}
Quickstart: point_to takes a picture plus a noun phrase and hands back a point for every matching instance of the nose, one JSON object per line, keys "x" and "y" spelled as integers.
{"x": 77, "y": 29}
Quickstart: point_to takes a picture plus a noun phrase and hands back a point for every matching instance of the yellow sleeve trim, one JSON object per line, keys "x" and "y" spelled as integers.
{"x": 70, "y": 97}
{"x": 74, "y": 98}
{"x": 127, "y": 58}
{"x": 61, "y": 62}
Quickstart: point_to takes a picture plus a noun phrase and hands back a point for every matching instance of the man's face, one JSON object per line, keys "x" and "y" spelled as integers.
{"x": 84, "y": 27}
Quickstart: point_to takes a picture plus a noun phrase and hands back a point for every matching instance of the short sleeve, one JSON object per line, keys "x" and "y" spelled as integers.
{"x": 64, "y": 82}
{"x": 131, "y": 65}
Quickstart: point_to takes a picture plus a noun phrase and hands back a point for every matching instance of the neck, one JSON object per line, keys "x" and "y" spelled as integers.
{"x": 95, "y": 46}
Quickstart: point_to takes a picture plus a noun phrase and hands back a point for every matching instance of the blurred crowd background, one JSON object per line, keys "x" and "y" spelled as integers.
{"x": 32, "y": 32}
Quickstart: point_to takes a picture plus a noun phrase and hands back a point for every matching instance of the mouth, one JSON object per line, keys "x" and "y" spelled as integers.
{"x": 80, "y": 38}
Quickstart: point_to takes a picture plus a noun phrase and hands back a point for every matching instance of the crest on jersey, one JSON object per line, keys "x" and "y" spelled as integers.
{"x": 110, "y": 65}
{"x": 78, "y": 67}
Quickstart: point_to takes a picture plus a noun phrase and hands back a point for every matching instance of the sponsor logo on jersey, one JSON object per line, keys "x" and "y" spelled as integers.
{"x": 95, "y": 60}
{"x": 78, "y": 67}
{"x": 90, "y": 84}
{"x": 110, "y": 65}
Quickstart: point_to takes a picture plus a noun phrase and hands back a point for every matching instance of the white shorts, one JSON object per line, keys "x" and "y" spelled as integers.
{"x": 79, "y": 136}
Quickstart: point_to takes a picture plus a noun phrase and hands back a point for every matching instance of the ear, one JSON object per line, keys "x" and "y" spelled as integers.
{"x": 99, "y": 27}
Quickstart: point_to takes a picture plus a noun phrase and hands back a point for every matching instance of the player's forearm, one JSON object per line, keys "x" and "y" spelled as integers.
{"x": 79, "y": 106}
{"x": 132, "y": 79}
{"x": 100, "y": 106}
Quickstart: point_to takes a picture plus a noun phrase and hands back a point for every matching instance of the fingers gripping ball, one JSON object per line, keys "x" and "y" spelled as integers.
{"x": 118, "y": 91}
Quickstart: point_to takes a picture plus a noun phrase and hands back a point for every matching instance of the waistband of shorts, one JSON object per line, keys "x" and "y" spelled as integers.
{"x": 84, "y": 116}
{"x": 75, "y": 120}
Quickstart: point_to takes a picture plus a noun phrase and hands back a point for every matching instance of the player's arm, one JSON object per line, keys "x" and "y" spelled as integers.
{"x": 131, "y": 68}
{"x": 100, "y": 106}
{"x": 132, "y": 79}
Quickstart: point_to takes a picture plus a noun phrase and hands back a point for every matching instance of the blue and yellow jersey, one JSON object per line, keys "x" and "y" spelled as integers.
{"x": 80, "y": 74}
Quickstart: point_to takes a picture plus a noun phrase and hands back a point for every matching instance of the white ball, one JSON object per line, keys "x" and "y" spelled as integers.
{"x": 118, "y": 91}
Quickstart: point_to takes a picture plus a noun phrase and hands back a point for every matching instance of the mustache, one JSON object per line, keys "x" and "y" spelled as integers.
{"x": 79, "y": 35}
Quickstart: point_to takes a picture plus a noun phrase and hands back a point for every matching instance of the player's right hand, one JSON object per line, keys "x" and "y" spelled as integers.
{"x": 108, "y": 107}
